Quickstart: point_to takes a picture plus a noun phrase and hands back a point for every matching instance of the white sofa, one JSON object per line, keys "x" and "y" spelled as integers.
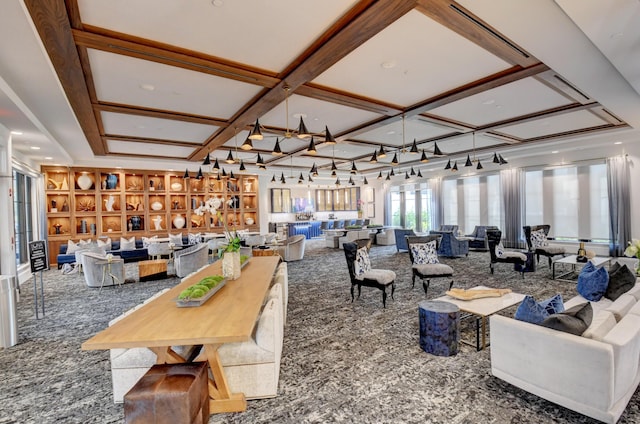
{"x": 595, "y": 374}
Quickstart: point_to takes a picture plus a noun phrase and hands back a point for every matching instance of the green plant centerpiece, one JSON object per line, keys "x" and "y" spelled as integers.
{"x": 200, "y": 291}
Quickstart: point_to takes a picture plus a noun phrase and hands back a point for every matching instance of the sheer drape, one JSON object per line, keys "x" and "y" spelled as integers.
{"x": 618, "y": 185}
{"x": 512, "y": 185}
{"x": 437, "y": 206}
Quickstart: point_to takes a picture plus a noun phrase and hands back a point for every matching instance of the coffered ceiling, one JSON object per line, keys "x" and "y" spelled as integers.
{"x": 174, "y": 81}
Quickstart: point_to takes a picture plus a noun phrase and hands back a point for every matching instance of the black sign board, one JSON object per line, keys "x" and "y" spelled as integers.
{"x": 38, "y": 256}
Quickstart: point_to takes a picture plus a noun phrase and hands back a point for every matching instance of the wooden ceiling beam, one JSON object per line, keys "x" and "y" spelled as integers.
{"x": 157, "y": 113}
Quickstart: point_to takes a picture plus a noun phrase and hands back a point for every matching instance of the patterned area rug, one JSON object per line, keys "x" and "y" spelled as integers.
{"x": 342, "y": 361}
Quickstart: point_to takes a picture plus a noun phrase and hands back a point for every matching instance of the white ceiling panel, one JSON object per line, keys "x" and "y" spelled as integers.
{"x": 266, "y": 33}
{"x": 392, "y": 134}
{"x": 556, "y": 124}
{"x": 127, "y": 80}
{"x": 155, "y": 128}
{"x": 133, "y": 148}
{"x": 518, "y": 98}
{"x": 316, "y": 114}
{"x": 411, "y": 60}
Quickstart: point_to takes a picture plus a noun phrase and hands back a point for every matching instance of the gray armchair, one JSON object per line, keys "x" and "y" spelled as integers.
{"x": 478, "y": 238}
{"x": 100, "y": 272}
{"x": 191, "y": 259}
{"x": 293, "y": 248}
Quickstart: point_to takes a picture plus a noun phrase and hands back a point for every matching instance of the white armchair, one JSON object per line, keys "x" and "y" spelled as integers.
{"x": 293, "y": 248}
{"x": 98, "y": 272}
{"x": 158, "y": 250}
{"x": 191, "y": 259}
{"x": 253, "y": 367}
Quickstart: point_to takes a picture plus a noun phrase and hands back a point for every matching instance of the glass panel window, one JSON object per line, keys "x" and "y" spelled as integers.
{"x": 410, "y": 209}
{"x": 425, "y": 210}
{"x": 471, "y": 190}
{"x": 450, "y": 201}
{"x": 396, "y": 214}
{"x": 494, "y": 201}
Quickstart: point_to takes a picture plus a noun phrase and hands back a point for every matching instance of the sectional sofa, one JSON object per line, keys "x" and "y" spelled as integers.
{"x": 595, "y": 374}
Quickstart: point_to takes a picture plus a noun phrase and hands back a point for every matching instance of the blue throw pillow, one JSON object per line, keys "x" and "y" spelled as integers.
{"x": 536, "y": 312}
{"x": 593, "y": 282}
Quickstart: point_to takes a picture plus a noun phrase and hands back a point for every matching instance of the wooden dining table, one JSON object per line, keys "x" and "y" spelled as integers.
{"x": 229, "y": 316}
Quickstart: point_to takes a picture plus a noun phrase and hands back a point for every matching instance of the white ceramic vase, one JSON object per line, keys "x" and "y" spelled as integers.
{"x": 157, "y": 221}
{"x": 231, "y": 265}
{"x": 178, "y": 221}
{"x": 84, "y": 182}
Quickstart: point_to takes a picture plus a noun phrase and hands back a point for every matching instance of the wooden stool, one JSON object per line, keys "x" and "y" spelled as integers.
{"x": 439, "y": 327}
{"x": 170, "y": 393}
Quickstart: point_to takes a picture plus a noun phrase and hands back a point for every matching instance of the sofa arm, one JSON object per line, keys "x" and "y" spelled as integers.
{"x": 566, "y": 369}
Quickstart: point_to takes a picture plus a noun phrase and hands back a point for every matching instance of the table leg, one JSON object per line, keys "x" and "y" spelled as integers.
{"x": 221, "y": 398}
{"x": 484, "y": 332}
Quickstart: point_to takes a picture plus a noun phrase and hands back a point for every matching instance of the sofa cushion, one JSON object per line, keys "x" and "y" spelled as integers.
{"x": 127, "y": 244}
{"x": 73, "y": 247}
{"x": 176, "y": 239}
{"x": 146, "y": 241}
{"x": 621, "y": 280}
{"x": 592, "y": 282}
{"x": 625, "y": 340}
{"x": 622, "y": 306}
{"x": 535, "y": 312}
{"x": 194, "y": 238}
{"x": 575, "y": 320}
{"x": 635, "y": 291}
{"x": 424, "y": 253}
{"x": 106, "y": 244}
{"x": 603, "y": 322}
{"x": 362, "y": 263}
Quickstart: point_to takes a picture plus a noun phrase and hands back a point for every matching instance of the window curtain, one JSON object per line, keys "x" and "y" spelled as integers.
{"x": 437, "y": 206}
{"x": 512, "y": 185}
{"x": 618, "y": 185}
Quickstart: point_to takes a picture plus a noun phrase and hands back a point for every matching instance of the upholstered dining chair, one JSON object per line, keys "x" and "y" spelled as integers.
{"x": 499, "y": 255}
{"x": 293, "y": 248}
{"x": 538, "y": 243}
{"x": 426, "y": 267}
{"x": 362, "y": 274}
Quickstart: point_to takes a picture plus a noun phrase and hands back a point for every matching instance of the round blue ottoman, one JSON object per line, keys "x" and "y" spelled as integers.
{"x": 439, "y": 327}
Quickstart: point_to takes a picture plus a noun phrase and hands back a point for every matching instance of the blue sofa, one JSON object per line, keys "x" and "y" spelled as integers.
{"x": 478, "y": 237}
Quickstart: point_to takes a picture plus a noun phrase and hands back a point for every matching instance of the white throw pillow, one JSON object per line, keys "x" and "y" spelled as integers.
{"x": 194, "y": 238}
{"x": 424, "y": 253}
{"x": 105, "y": 244}
{"x": 146, "y": 241}
{"x": 127, "y": 244}
{"x": 73, "y": 247}
{"x": 499, "y": 250}
{"x": 538, "y": 239}
{"x": 362, "y": 263}
{"x": 176, "y": 239}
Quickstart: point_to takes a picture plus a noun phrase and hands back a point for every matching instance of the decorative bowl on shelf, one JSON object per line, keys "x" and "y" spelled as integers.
{"x": 156, "y": 206}
{"x": 176, "y": 186}
{"x": 249, "y": 221}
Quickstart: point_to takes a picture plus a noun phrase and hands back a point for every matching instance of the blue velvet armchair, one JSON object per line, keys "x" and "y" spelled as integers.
{"x": 450, "y": 246}
{"x": 401, "y": 242}
{"x": 479, "y": 240}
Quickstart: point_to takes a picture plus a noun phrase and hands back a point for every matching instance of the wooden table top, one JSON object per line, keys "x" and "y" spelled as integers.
{"x": 229, "y": 316}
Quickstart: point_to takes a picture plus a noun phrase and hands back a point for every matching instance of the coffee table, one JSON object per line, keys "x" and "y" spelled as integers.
{"x": 572, "y": 260}
{"x": 482, "y": 309}
{"x": 152, "y": 270}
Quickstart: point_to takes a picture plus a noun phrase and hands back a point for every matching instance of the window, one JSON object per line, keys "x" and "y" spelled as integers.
{"x": 572, "y": 199}
{"x": 450, "y": 202}
{"x": 23, "y": 215}
{"x": 396, "y": 213}
{"x": 426, "y": 223}
{"x": 410, "y": 209}
{"x": 472, "y": 201}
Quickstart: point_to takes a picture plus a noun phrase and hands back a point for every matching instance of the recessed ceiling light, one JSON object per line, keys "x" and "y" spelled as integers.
{"x": 300, "y": 115}
{"x": 391, "y": 132}
{"x": 217, "y": 3}
{"x": 48, "y": 158}
{"x": 35, "y": 148}
{"x": 554, "y": 151}
{"x": 618, "y": 142}
{"x": 388, "y": 64}
{"x": 16, "y": 132}
{"x": 147, "y": 87}
{"x": 488, "y": 102}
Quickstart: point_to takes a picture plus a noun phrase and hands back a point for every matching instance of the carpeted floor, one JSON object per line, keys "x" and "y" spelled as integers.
{"x": 342, "y": 361}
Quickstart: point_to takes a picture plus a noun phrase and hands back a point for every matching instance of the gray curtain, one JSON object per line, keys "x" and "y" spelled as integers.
{"x": 437, "y": 206}
{"x": 512, "y": 186}
{"x": 618, "y": 185}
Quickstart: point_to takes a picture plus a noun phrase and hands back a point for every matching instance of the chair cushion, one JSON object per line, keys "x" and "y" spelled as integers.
{"x": 536, "y": 312}
{"x": 424, "y": 253}
{"x": 433, "y": 269}
{"x": 538, "y": 239}
{"x": 592, "y": 282}
{"x": 551, "y": 250}
{"x": 362, "y": 263}
{"x": 518, "y": 255}
{"x": 381, "y": 276}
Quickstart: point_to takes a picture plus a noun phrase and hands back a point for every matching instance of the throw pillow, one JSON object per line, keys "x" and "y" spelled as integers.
{"x": 538, "y": 239}
{"x": 592, "y": 282}
{"x": 424, "y": 253}
{"x": 499, "y": 250}
{"x": 574, "y": 320}
{"x": 127, "y": 244}
{"x": 146, "y": 241}
{"x": 105, "y": 244}
{"x": 176, "y": 239}
{"x": 72, "y": 247}
{"x": 194, "y": 238}
{"x": 621, "y": 280}
{"x": 362, "y": 263}
{"x": 536, "y": 312}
